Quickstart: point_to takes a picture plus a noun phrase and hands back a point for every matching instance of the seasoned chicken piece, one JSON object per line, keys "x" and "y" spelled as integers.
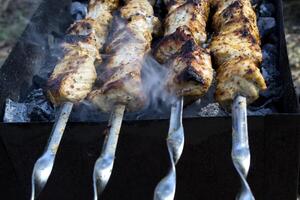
{"x": 187, "y": 21}
{"x": 121, "y": 77}
{"x": 236, "y": 51}
{"x": 171, "y": 45}
{"x": 98, "y": 8}
{"x": 191, "y": 17}
{"x": 231, "y": 15}
{"x": 190, "y": 71}
{"x": 236, "y": 32}
{"x": 134, "y": 7}
{"x": 173, "y": 4}
{"x": 73, "y": 76}
{"x": 239, "y": 76}
{"x": 227, "y": 46}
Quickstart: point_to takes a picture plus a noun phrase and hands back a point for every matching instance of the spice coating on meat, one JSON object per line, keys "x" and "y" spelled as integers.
{"x": 121, "y": 78}
{"x": 238, "y": 76}
{"x": 186, "y": 21}
{"x": 190, "y": 70}
{"x": 236, "y": 51}
{"x": 191, "y": 17}
{"x": 191, "y": 73}
{"x": 73, "y": 76}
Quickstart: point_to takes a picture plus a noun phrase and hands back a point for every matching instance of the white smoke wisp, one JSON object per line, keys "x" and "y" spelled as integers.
{"x": 154, "y": 78}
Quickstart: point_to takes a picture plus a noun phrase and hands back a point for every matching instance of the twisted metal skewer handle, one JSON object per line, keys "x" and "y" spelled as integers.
{"x": 43, "y": 166}
{"x": 165, "y": 190}
{"x": 104, "y": 164}
{"x": 240, "y": 146}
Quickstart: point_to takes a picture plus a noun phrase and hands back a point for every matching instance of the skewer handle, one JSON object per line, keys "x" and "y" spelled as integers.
{"x": 104, "y": 164}
{"x": 43, "y": 166}
{"x": 165, "y": 190}
{"x": 240, "y": 146}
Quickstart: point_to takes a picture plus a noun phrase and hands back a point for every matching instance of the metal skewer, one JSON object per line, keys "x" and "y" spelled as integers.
{"x": 104, "y": 164}
{"x": 43, "y": 166}
{"x": 240, "y": 146}
{"x": 165, "y": 190}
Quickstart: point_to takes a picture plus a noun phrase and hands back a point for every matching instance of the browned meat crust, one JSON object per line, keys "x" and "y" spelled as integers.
{"x": 190, "y": 71}
{"x": 236, "y": 51}
{"x": 73, "y": 77}
{"x": 122, "y": 83}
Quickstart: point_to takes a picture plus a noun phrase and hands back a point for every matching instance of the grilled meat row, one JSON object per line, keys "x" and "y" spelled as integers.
{"x": 235, "y": 48}
{"x": 130, "y": 41}
{"x": 190, "y": 71}
{"x": 236, "y": 51}
{"x": 74, "y": 75}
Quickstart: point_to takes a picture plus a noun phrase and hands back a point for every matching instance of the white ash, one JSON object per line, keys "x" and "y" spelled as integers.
{"x": 15, "y": 112}
{"x": 36, "y": 107}
{"x": 211, "y": 110}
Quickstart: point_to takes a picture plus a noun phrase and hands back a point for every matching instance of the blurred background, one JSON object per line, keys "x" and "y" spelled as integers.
{"x": 292, "y": 30}
{"x": 15, "y": 14}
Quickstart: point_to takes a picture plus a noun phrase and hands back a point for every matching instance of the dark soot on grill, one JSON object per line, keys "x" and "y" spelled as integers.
{"x": 36, "y": 107}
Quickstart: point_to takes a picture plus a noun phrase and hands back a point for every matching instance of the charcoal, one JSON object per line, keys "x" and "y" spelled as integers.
{"x": 266, "y": 25}
{"x": 270, "y": 71}
{"x": 266, "y": 10}
{"x": 78, "y": 10}
{"x": 273, "y": 39}
{"x": 36, "y": 107}
{"x": 270, "y": 54}
{"x": 39, "y": 81}
{"x": 39, "y": 108}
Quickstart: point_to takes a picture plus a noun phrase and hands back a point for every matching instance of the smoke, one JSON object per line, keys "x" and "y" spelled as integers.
{"x": 154, "y": 78}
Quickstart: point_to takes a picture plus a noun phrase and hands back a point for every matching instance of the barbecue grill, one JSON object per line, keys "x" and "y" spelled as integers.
{"x": 205, "y": 170}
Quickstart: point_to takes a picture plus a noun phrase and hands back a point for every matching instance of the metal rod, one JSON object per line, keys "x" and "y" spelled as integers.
{"x": 43, "y": 166}
{"x": 104, "y": 164}
{"x": 165, "y": 190}
{"x": 240, "y": 146}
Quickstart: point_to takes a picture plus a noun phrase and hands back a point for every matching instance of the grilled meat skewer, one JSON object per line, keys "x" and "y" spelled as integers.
{"x": 130, "y": 42}
{"x": 236, "y": 51}
{"x": 121, "y": 82}
{"x": 190, "y": 71}
{"x": 72, "y": 79}
{"x": 75, "y": 73}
